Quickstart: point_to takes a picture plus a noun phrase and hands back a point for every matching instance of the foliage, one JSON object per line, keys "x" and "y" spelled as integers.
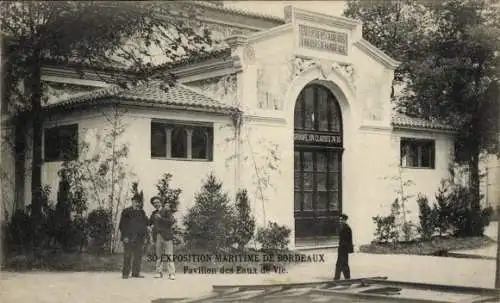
{"x": 428, "y": 218}
{"x": 86, "y": 35}
{"x": 466, "y": 215}
{"x": 438, "y": 246}
{"x": 396, "y": 27}
{"x": 459, "y": 87}
{"x": 273, "y": 237}
{"x": 385, "y": 228}
{"x": 101, "y": 173}
{"x": 170, "y": 196}
{"x": 209, "y": 223}
{"x": 100, "y": 225}
{"x": 244, "y": 220}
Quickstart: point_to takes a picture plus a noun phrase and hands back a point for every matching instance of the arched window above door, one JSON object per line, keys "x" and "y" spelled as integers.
{"x": 317, "y": 109}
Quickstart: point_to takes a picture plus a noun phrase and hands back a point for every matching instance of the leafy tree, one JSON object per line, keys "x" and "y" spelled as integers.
{"x": 209, "y": 223}
{"x": 244, "y": 220}
{"x": 89, "y": 34}
{"x": 170, "y": 197}
{"x": 450, "y": 66}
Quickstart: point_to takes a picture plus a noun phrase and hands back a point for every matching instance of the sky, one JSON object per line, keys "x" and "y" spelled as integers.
{"x": 275, "y": 8}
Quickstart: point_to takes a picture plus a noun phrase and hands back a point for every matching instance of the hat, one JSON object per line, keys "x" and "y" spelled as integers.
{"x": 153, "y": 199}
{"x": 344, "y": 216}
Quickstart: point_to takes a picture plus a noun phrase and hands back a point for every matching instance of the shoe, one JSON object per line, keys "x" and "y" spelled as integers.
{"x": 137, "y": 276}
{"x": 124, "y": 277}
{"x": 158, "y": 275}
{"x": 171, "y": 277}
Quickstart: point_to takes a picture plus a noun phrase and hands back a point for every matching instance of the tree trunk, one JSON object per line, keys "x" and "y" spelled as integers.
{"x": 35, "y": 89}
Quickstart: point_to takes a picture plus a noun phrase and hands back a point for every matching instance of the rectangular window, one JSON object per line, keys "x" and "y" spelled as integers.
{"x": 61, "y": 143}
{"x": 181, "y": 141}
{"x": 418, "y": 153}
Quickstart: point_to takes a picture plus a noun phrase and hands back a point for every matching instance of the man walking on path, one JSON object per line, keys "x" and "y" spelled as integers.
{"x": 133, "y": 228}
{"x": 345, "y": 248}
{"x": 162, "y": 221}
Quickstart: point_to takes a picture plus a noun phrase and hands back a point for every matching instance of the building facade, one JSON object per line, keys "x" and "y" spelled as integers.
{"x": 297, "y": 111}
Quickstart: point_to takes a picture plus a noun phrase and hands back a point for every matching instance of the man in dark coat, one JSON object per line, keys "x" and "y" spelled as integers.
{"x": 345, "y": 248}
{"x": 133, "y": 228}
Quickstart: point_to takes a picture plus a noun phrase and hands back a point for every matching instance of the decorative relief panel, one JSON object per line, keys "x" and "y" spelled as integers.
{"x": 323, "y": 40}
{"x": 301, "y": 64}
{"x": 223, "y": 89}
{"x": 370, "y": 97}
{"x": 273, "y": 79}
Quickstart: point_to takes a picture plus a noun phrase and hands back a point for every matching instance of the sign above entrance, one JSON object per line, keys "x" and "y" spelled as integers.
{"x": 324, "y": 40}
{"x": 308, "y": 138}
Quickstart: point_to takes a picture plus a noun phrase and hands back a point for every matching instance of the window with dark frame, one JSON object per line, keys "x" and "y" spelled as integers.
{"x": 417, "y": 153}
{"x": 181, "y": 141}
{"x": 61, "y": 143}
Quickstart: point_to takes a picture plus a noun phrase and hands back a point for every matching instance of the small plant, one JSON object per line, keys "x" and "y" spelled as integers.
{"x": 273, "y": 237}
{"x": 209, "y": 223}
{"x": 385, "y": 228}
{"x": 244, "y": 221}
{"x": 428, "y": 218}
{"x": 100, "y": 226}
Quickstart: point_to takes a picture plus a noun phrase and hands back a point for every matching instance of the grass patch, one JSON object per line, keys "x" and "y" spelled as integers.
{"x": 87, "y": 262}
{"x": 439, "y": 246}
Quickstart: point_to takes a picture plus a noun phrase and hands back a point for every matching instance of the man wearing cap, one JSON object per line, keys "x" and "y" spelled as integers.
{"x": 162, "y": 221}
{"x": 345, "y": 248}
{"x": 133, "y": 228}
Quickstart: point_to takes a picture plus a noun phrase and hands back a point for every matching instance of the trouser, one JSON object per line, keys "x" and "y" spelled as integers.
{"x": 342, "y": 266}
{"x": 132, "y": 256}
{"x": 164, "y": 254}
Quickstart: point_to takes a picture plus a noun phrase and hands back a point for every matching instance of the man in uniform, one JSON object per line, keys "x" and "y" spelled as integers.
{"x": 345, "y": 248}
{"x": 133, "y": 228}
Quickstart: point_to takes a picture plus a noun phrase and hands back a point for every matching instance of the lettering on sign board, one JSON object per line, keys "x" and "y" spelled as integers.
{"x": 318, "y": 139}
{"x": 316, "y": 38}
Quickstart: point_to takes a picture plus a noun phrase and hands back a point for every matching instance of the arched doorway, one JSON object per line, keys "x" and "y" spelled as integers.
{"x": 317, "y": 166}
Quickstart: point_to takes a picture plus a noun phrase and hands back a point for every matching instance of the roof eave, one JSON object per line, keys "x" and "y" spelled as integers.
{"x": 443, "y": 130}
{"x": 377, "y": 54}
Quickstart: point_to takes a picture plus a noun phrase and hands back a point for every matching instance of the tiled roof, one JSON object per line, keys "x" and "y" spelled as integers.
{"x": 402, "y": 120}
{"x": 241, "y": 12}
{"x": 152, "y": 94}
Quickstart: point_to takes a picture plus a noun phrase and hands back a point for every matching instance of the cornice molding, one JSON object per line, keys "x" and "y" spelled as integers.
{"x": 72, "y": 80}
{"x": 63, "y": 72}
{"x": 320, "y": 18}
{"x": 423, "y": 130}
{"x": 275, "y": 31}
{"x": 377, "y": 54}
{"x": 208, "y": 69}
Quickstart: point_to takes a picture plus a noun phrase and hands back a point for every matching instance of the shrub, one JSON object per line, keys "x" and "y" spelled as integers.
{"x": 467, "y": 216}
{"x": 428, "y": 218}
{"x": 385, "y": 228}
{"x": 273, "y": 237}
{"x": 443, "y": 209}
{"x": 170, "y": 197}
{"x": 459, "y": 213}
{"x": 244, "y": 221}
{"x": 100, "y": 228}
{"x": 19, "y": 232}
{"x": 209, "y": 223}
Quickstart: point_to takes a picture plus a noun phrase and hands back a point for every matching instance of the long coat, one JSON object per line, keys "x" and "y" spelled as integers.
{"x": 345, "y": 240}
{"x": 133, "y": 225}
